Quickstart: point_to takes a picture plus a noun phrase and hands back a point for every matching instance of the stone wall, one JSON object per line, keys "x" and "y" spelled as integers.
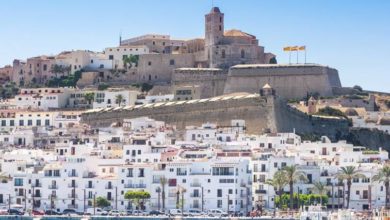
{"x": 289, "y": 119}
{"x": 253, "y": 110}
{"x": 289, "y": 81}
{"x": 210, "y": 80}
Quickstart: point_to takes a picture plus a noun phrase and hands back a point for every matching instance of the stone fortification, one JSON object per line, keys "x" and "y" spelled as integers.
{"x": 210, "y": 80}
{"x": 290, "y": 81}
{"x": 221, "y": 110}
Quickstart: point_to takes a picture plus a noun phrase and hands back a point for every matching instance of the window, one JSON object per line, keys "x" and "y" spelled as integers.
{"x": 18, "y": 182}
{"x": 111, "y": 57}
{"x": 149, "y": 63}
{"x": 47, "y": 122}
{"x": 172, "y": 62}
{"x": 242, "y": 53}
{"x": 3, "y": 123}
{"x": 223, "y": 54}
{"x": 219, "y": 203}
{"x": 219, "y": 193}
{"x": 44, "y": 67}
{"x": 21, "y": 123}
{"x": 29, "y": 122}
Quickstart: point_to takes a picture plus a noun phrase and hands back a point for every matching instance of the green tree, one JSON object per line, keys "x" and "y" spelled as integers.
{"x": 102, "y": 202}
{"x": 273, "y": 60}
{"x": 320, "y": 188}
{"x": 103, "y": 86}
{"x": 307, "y": 199}
{"x": 383, "y": 175}
{"x": 358, "y": 88}
{"x": 129, "y": 61}
{"x": 279, "y": 181}
{"x": 293, "y": 176}
{"x": 89, "y": 97}
{"x": 329, "y": 111}
{"x": 137, "y": 197}
{"x": 119, "y": 99}
{"x": 349, "y": 173}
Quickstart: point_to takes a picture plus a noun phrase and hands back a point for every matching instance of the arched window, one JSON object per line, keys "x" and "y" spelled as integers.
{"x": 223, "y": 54}
{"x": 242, "y": 53}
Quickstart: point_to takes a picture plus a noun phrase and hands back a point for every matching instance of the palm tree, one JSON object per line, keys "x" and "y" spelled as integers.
{"x": 349, "y": 173}
{"x": 119, "y": 99}
{"x": 89, "y": 97}
{"x": 279, "y": 181}
{"x": 163, "y": 182}
{"x": 293, "y": 176}
{"x": 320, "y": 188}
{"x": 383, "y": 175}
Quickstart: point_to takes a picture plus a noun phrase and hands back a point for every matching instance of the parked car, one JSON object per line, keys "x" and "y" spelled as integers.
{"x": 176, "y": 212}
{"x": 155, "y": 212}
{"x": 138, "y": 212}
{"x": 37, "y": 212}
{"x": 15, "y": 212}
{"x": 115, "y": 213}
{"x": 195, "y": 212}
{"x": 52, "y": 212}
{"x": 216, "y": 213}
{"x": 70, "y": 212}
{"x": 96, "y": 211}
{"x": 3, "y": 212}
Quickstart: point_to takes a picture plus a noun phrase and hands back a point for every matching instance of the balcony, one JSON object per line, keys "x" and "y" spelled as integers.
{"x": 181, "y": 173}
{"x": 195, "y": 195}
{"x": 195, "y": 185}
{"x": 199, "y": 173}
{"x": 53, "y": 186}
{"x": 129, "y": 175}
{"x": 132, "y": 186}
{"x": 72, "y": 174}
{"x": 72, "y": 196}
{"x": 261, "y": 191}
{"x": 109, "y": 187}
{"x": 70, "y": 185}
{"x": 52, "y": 197}
{"x": 36, "y": 185}
{"x": 37, "y": 195}
{"x": 73, "y": 206}
{"x": 89, "y": 186}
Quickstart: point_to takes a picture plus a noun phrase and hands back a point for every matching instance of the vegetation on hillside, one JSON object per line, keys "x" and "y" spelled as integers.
{"x": 65, "y": 81}
{"x": 329, "y": 111}
{"x": 8, "y": 90}
{"x": 145, "y": 87}
{"x": 103, "y": 86}
{"x": 304, "y": 199}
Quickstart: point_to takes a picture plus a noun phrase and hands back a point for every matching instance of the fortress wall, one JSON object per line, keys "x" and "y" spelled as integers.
{"x": 288, "y": 119}
{"x": 210, "y": 81}
{"x": 253, "y": 110}
{"x": 289, "y": 81}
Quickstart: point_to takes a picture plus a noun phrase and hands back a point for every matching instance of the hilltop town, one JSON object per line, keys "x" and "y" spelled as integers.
{"x": 205, "y": 125}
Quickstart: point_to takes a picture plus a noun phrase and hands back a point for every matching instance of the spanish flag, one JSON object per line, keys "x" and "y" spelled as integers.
{"x": 295, "y": 48}
{"x": 302, "y": 48}
{"x": 286, "y": 48}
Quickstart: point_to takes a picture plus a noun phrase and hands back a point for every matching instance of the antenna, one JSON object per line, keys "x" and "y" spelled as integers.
{"x": 120, "y": 37}
{"x": 212, "y": 3}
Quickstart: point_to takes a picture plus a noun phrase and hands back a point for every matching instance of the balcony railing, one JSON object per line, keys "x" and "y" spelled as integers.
{"x": 260, "y": 191}
{"x": 89, "y": 186}
{"x": 70, "y": 185}
{"x": 37, "y": 195}
{"x": 129, "y": 175}
{"x": 195, "y": 185}
{"x": 36, "y": 185}
{"x": 53, "y": 186}
{"x": 109, "y": 187}
{"x": 71, "y": 196}
{"x": 52, "y": 197}
{"x": 141, "y": 186}
{"x": 72, "y": 174}
{"x": 73, "y": 206}
{"x": 195, "y": 195}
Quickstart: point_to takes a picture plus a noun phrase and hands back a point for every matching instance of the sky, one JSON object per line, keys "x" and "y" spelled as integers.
{"x": 349, "y": 35}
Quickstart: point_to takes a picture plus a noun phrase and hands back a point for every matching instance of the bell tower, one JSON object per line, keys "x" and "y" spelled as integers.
{"x": 214, "y": 29}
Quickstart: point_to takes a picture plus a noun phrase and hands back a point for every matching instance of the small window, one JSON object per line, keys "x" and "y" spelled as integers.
{"x": 172, "y": 62}
{"x": 149, "y": 63}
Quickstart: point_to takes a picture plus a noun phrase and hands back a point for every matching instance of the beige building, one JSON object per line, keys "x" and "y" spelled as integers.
{"x": 5, "y": 74}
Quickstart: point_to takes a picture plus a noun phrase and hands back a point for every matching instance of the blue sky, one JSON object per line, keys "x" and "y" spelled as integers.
{"x": 350, "y": 35}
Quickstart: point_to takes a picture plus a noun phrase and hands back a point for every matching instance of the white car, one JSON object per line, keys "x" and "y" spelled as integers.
{"x": 175, "y": 212}
{"x": 195, "y": 212}
{"x": 97, "y": 211}
{"x": 216, "y": 213}
{"x": 138, "y": 212}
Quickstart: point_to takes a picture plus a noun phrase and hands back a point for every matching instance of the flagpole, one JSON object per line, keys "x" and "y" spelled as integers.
{"x": 297, "y": 56}
{"x": 305, "y": 55}
{"x": 289, "y": 57}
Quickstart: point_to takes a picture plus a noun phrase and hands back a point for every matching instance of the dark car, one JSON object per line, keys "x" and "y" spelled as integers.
{"x": 37, "y": 212}
{"x": 52, "y": 212}
{"x": 15, "y": 212}
{"x": 69, "y": 212}
{"x": 155, "y": 212}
